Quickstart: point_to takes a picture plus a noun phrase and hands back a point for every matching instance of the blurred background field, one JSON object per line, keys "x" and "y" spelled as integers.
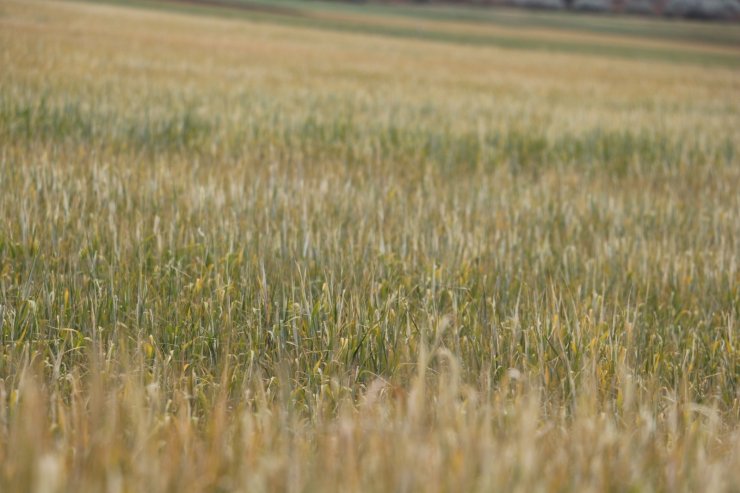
{"x": 306, "y": 246}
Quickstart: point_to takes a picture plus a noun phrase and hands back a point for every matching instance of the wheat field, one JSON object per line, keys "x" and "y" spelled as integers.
{"x": 322, "y": 247}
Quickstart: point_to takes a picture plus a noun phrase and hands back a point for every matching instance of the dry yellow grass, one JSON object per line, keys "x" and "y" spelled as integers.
{"x": 254, "y": 256}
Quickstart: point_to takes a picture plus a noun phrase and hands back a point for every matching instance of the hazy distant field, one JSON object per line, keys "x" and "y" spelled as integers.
{"x": 286, "y": 246}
